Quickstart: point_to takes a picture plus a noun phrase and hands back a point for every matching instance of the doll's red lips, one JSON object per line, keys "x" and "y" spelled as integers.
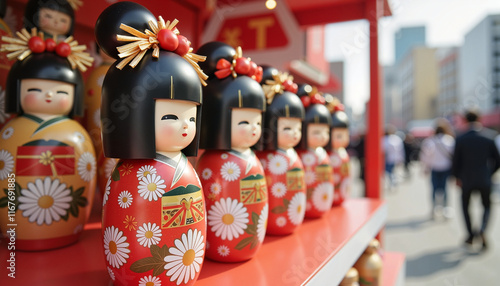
{"x": 184, "y": 134}
{"x": 48, "y": 100}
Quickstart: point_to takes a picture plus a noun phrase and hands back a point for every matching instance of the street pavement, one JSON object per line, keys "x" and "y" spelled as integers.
{"x": 434, "y": 248}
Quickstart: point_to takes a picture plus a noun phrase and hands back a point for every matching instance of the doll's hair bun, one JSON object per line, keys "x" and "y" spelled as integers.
{"x": 215, "y": 51}
{"x": 108, "y": 24}
{"x": 268, "y": 73}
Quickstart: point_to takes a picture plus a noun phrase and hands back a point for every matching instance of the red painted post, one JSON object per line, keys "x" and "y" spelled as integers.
{"x": 373, "y": 145}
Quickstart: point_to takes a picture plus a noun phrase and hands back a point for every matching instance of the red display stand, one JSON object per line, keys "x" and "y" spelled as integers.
{"x": 393, "y": 271}
{"x": 319, "y": 253}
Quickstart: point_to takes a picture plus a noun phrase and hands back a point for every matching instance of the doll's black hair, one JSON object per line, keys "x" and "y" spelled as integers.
{"x": 285, "y": 104}
{"x": 222, "y": 95}
{"x": 31, "y": 13}
{"x": 129, "y": 94}
{"x": 315, "y": 113}
{"x": 48, "y": 66}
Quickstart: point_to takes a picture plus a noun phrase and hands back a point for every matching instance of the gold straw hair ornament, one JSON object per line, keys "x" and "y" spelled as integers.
{"x": 34, "y": 42}
{"x": 278, "y": 84}
{"x": 75, "y": 4}
{"x": 162, "y": 35}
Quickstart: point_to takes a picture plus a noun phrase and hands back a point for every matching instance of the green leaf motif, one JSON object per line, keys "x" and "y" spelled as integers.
{"x": 286, "y": 203}
{"x": 279, "y": 210}
{"x": 255, "y": 242}
{"x": 115, "y": 176}
{"x": 4, "y": 202}
{"x": 156, "y": 262}
{"x": 244, "y": 242}
{"x": 255, "y": 218}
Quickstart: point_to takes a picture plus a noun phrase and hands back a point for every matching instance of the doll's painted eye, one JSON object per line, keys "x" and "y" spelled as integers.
{"x": 170, "y": 117}
{"x": 62, "y": 92}
{"x": 287, "y": 129}
{"x": 243, "y": 122}
{"x": 192, "y": 119}
{"x": 34, "y": 89}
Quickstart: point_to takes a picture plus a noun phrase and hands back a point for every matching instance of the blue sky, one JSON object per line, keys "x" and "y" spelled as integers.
{"x": 447, "y": 22}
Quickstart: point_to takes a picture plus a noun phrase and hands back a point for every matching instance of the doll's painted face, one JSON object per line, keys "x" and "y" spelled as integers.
{"x": 46, "y": 97}
{"x": 340, "y": 138}
{"x": 53, "y": 21}
{"x": 175, "y": 124}
{"x": 245, "y": 127}
{"x": 318, "y": 135}
{"x": 289, "y": 132}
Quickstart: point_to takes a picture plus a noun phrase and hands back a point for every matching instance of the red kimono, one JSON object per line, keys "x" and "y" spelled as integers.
{"x": 153, "y": 222}
{"x": 236, "y": 192}
{"x": 340, "y": 164}
{"x": 287, "y": 190}
{"x": 319, "y": 181}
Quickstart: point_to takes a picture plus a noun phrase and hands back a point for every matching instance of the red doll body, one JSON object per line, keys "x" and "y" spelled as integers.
{"x": 287, "y": 190}
{"x": 153, "y": 222}
{"x": 339, "y": 159}
{"x": 236, "y": 194}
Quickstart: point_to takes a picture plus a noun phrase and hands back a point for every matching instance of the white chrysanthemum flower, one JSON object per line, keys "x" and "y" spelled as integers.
{"x": 152, "y": 187}
{"x": 281, "y": 221}
{"x": 215, "y": 188}
{"x": 6, "y": 164}
{"x": 230, "y": 171}
{"x": 86, "y": 166}
{"x": 8, "y": 132}
{"x": 115, "y": 247}
{"x": 45, "y": 201}
{"x": 322, "y": 196}
{"x": 335, "y": 160}
{"x": 297, "y": 208}
{"x": 125, "y": 199}
{"x": 109, "y": 165}
{"x": 78, "y": 137}
{"x": 278, "y": 165}
{"x": 223, "y": 250}
{"x": 228, "y": 218}
{"x": 309, "y": 159}
{"x": 345, "y": 187}
{"x": 224, "y": 156}
{"x": 111, "y": 274}
{"x": 262, "y": 223}
{"x": 309, "y": 177}
{"x": 206, "y": 173}
{"x": 150, "y": 281}
{"x": 107, "y": 191}
{"x": 185, "y": 257}
{"x": 278, "y": 190}
{"x": 144, "y": 171}
{"x": 148, "y": 234}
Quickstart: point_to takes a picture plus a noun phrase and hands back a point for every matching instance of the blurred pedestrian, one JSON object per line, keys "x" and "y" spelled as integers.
{"x": 394, "y": 153}
{"x": 436, "y": 155}
{"x": 475, "y": 160}
{"x": 359, "y": 147}
{"x": 409, "y": 147}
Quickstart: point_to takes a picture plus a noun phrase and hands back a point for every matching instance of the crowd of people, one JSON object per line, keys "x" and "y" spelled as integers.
{"x": 471, "y": 157}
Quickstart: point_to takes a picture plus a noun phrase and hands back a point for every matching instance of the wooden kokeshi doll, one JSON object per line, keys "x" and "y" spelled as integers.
{"x": 153, "y": 225}
{"x": 315, "y": 136}
{"x": 282, "y": 165}
{"x": 232, "y": 176}
{"x": 5, "y": 65}
{"x": 339, "y": 158}
{"x": 47, "y": 159}
{"x": 55, "y": 18}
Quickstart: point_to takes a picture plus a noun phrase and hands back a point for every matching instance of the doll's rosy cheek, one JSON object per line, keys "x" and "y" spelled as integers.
{"x": 64, "y": 103}
{"x": 31, "y": 99}
{"x": 168, "y": 130}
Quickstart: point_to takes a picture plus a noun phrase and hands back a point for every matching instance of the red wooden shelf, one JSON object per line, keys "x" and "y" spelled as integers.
{"x": 394, "y": 269}
{"x": 319, "y": 253}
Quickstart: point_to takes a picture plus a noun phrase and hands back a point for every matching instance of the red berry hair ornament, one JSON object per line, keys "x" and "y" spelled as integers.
{"x": 27, "y": 44}
{"x": 238, "y": 66}
{"x": 280, "y": 82}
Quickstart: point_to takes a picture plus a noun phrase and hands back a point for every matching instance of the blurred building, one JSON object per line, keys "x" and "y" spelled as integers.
{"x": 336, "y": 86}
{"x": 479, "y": 61}
{"x": 419, "y": 84}
{"x": 447, "y": 99}
{"x": 406, "y": 39}
{"x": 392, "y": 97}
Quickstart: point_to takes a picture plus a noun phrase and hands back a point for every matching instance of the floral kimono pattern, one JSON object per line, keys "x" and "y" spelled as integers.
{"x": 236, "y": 193}
{"x": 153, "y": 223}
{"x": 319, "y": 181}
{"x": 287, "y": 190}
{"x": 340, "y": 164}
{"x": 53, "y": 163}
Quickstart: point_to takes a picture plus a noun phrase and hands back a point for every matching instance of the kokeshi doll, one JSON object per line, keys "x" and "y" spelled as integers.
{"x": 339, "y": 158}
{"x": 47, "y": 159}
{"x": 231, "y": 175}
{"x": 56, "y": 19}
{"x": 282, "y": 165}
{"x": 315, "y": 136}
{"x": 153, "y": 224}
{"x": 5, "y": 65}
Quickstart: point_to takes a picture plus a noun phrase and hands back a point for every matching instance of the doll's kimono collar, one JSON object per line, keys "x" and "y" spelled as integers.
{"x": 249, "y": 158}
{"x": 290, "y": 153}
{"x": 178, "y": 166}
{"x": 44, "y": 123}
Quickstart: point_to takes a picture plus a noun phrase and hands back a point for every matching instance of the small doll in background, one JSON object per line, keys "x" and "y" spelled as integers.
{"x": 283, "y": 167}
{"x": 339, "y": 158}
{"x": 315, "y": 136}
{"x": 5, "y": 65}
{"x": 47, "y": 159}
{"x": 153, "y": 223}
{"x": 55, "y": 18}
{"x": 232, "y": 176}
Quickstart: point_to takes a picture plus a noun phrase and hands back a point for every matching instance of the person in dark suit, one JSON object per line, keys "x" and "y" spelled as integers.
{"x": 475, "y": 159}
